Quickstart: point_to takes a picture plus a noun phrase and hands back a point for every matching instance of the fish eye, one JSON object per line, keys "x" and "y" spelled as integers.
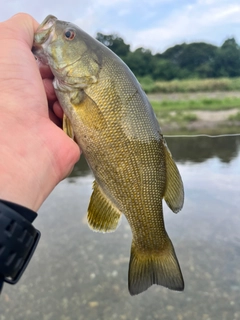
{"x": 69, "y": 34}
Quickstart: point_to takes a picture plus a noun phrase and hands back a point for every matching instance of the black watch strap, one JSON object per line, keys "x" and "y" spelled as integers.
{"x": 18, "y": 240}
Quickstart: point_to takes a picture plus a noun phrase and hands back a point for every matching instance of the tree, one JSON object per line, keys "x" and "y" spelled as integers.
{"x": 174, "y": 53}
{"x": 181, "y": 61}
{"x": 140, "y": 61}
{"x": 194, "y": 59}
{"x": 165, "y": 70}
{"x": 115, "y": 43}
{"x": 196, "y": 54}
{"x": 227, "y": 61}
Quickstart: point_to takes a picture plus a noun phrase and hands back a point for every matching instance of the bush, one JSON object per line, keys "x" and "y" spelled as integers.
{"x": 197, "y": 85}
{"x": 148, "y": 84}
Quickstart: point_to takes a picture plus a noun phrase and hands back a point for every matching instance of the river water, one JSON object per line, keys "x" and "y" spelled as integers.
{"x": 77, "y": 274}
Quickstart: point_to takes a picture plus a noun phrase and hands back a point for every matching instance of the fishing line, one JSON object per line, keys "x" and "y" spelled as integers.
{"x": 202, "y": 135}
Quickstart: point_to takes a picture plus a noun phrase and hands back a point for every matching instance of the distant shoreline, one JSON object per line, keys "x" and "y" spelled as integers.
{"x": 178, "y": 120}
{"x": 159, "y": 96}
{"x": 202, "y": 126}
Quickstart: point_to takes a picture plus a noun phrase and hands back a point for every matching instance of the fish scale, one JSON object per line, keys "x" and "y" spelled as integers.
{"x": 112, "y": 121}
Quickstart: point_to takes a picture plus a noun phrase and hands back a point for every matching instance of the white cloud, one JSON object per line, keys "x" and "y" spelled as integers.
{"x": 225, "y": 14}
{"x": 186, "y": 24}
{"x": 123, "y": 12}
{"x": 154, "y": 24}
{"x": 111, "y": 3}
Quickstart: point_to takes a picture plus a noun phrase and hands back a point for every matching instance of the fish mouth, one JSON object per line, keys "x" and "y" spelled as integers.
{"x": 42, "y": 35}
{"x": 47, "y": 22}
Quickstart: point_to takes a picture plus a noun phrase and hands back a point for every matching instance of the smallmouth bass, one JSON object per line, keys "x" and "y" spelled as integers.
{"x": 111, "y": 119}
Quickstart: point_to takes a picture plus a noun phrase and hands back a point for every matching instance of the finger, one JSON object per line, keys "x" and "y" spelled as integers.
{"x": 58, "y": 110}
{"x": 50, "y": 92}
{"x": 55, "y": 119}
{"x": 22, "y": 26}
{"x": 45, "y": 71}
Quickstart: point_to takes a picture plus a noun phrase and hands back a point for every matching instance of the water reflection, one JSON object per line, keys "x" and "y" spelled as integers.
{"x": 199, "y": 149}
{"x": 81, "y": 169}
{"x": 192, "y": 149}
{"x": 77, "y": 274}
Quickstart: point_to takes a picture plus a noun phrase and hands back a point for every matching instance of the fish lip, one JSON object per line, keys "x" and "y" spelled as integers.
{"x": 42, "y": 36}
{"x": 43, "y": 31}
{"x": 47, "y": 23}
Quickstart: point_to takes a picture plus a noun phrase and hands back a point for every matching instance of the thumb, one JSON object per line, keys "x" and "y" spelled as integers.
{"x": 21, "y": 26}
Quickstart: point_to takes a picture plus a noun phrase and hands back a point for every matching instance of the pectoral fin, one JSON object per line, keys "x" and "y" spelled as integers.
{"x": 102, "y": 216}
{"x": 67, "y": 127}
{"x": 88, "y": 111}
{"x": 174, "y": 192}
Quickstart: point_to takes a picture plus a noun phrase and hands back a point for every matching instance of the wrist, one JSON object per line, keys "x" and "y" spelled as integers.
{"x": 19, "y": 239}
{"x": 20, "y": 181}
{"x": 27, "y": 169}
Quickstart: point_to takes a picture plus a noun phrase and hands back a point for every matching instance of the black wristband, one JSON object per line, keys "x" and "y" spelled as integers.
{"x": 18, "y": 240}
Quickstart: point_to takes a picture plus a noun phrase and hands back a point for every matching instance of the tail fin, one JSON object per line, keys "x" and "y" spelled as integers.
{"x": 146, "y": 269}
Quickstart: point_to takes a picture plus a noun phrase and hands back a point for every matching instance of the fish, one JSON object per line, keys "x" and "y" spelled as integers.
{"x": 111, "y": 119}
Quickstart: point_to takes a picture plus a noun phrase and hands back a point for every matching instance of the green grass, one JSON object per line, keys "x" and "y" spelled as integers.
{"x": 189, "y": 117}
{"x": 190, "y": 85}
{"x": 148, "y": 84}
{"x": 200, "y": 104}
{"x": 235, "y": 117}
{"x": 178, "y": 115}
{"x": 184, "y": 130}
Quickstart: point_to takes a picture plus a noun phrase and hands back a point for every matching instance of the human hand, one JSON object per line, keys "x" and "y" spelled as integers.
{"x": 35, "y": 153}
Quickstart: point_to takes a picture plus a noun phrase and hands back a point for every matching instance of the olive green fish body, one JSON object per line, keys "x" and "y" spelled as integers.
{"x": 113, "y": 122}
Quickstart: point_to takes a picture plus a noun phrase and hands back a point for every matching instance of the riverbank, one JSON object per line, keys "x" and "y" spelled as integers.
{"x": 200, "y": 112}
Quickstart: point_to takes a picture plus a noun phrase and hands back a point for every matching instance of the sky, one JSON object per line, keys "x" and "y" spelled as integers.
{"x": 151, "y": 24}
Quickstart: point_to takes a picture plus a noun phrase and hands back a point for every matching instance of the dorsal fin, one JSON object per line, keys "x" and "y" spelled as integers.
{"x": 174, "y": 192}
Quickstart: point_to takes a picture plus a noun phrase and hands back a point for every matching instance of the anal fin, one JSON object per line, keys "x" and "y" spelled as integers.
{"x": 102, "y": 216}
